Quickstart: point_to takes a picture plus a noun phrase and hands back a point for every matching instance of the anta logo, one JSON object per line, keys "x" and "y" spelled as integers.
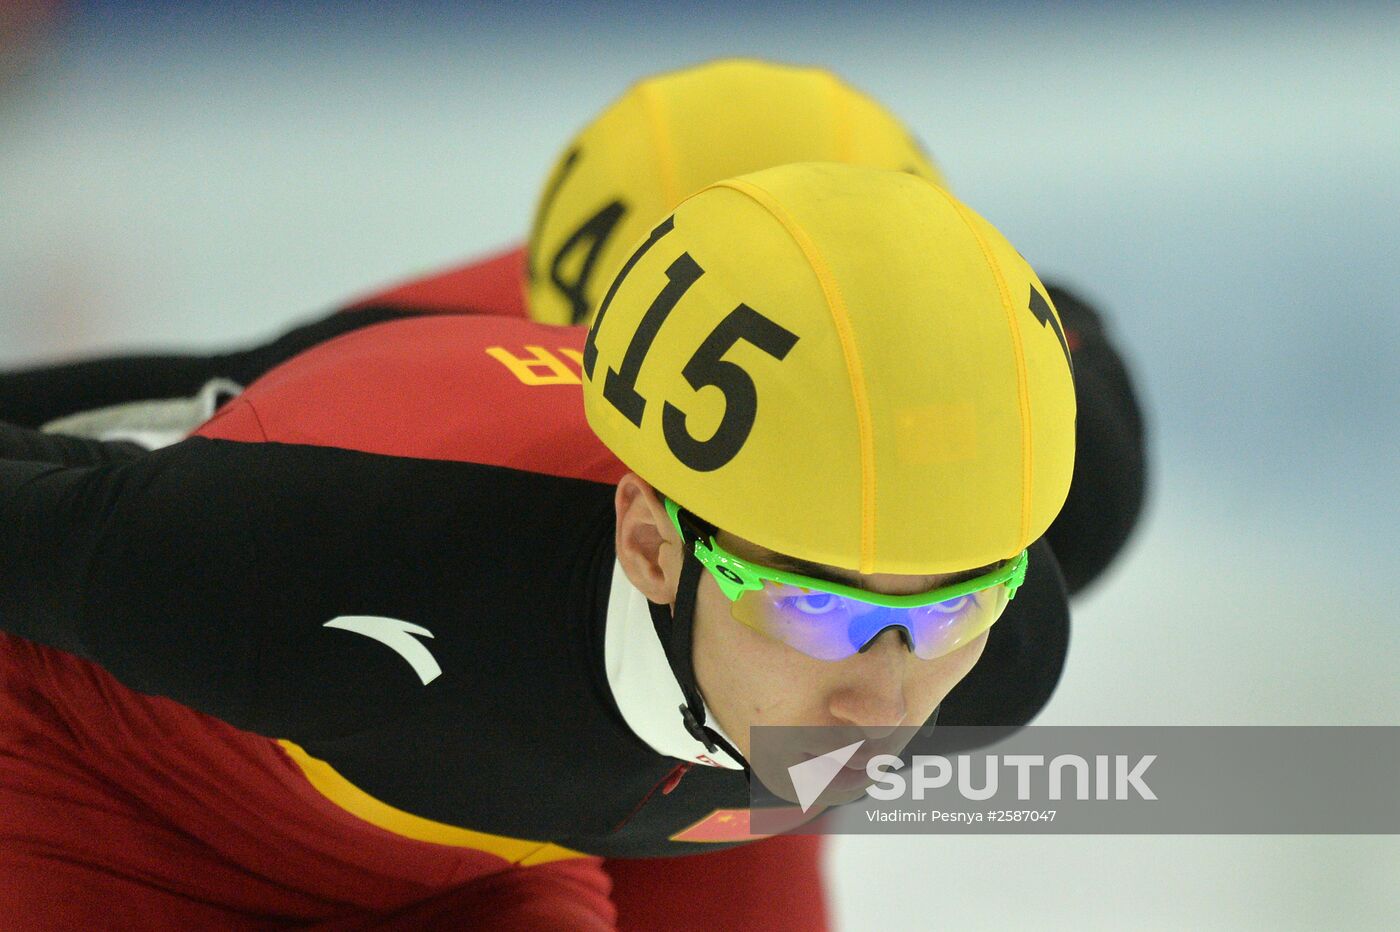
{"x": 540, "y": 366}
{"x": 396, "y": 635}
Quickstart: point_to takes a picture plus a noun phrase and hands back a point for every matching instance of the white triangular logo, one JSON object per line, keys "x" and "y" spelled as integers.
{"x": 810, "y": 777}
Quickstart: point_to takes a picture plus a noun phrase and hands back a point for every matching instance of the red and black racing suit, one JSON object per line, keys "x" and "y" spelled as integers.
{"x": 185, "y": 740}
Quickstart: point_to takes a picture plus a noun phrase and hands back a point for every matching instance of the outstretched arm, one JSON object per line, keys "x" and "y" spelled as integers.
{"x": 33, "y": 397}
{"x": 206, "y": 573}
{"x": 30, "y": 445}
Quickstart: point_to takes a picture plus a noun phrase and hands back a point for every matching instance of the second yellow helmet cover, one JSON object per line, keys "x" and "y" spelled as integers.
{"x": 674, "y": 133}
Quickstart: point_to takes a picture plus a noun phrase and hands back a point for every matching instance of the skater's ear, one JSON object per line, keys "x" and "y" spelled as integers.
{"x": 648, "y": 546}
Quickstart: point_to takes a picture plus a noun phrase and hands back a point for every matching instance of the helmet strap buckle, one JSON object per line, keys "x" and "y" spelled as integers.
{"x": 696, "y": 729}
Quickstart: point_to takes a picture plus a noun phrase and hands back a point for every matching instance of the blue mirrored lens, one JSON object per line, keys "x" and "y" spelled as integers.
{"x": 834, "y": 627}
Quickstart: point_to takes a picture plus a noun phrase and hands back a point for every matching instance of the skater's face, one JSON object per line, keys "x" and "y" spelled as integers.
{"x": 750, "y": 679}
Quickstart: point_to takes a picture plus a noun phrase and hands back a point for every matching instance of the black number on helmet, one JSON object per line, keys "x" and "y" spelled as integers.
{"x": 594, "y": 235}
{"x": 1040, "y": 309}
{"x": 621, "y": 385}
{"x": 566, "y": 166}
{"x": 590, "y": 345}
{"x": 707, "y": 368}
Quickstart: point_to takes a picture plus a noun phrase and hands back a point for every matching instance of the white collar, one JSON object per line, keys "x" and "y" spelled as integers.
{"x": 642, "y": 683}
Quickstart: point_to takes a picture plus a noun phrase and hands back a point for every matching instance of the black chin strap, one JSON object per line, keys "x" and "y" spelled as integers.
{"x": 675, "y": 631}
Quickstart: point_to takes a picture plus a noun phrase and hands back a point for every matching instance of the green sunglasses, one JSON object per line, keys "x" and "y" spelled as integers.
{"x": 832, "y": 621}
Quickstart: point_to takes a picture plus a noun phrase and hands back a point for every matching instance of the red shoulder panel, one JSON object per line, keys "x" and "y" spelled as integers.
{"x": 494, "y": 285}
{"x": 483, "y": 389}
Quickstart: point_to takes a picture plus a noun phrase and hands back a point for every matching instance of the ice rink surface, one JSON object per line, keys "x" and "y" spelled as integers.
{"x": 1223, "y": 180}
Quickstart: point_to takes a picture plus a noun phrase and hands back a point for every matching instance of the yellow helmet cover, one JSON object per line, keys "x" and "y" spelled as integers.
{"x": 845, "y": 365}
{"x": 671, "y": 135}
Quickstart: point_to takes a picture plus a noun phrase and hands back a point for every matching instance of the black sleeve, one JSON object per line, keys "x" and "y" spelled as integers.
{"x": 1110, "y": 469}
{"x": 32, "y": 397}
{"x": 18, "y": 443}
{"x": 148, "y": 568}
{"x": 206, "y": 572}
